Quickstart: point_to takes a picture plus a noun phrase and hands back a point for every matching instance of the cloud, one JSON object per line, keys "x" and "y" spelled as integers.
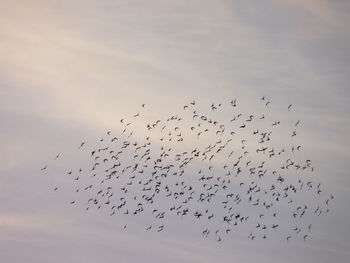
{"x": 70, "y": 70}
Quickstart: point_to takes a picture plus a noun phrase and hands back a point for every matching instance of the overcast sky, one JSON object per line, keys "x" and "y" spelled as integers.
{"x": 69, "y": 70}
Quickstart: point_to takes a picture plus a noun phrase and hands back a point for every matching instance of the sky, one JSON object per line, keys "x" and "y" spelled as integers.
{"x": 69, "y": 70}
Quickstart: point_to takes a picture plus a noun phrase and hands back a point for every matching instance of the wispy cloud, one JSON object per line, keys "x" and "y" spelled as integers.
{"x": 69, "y": 70}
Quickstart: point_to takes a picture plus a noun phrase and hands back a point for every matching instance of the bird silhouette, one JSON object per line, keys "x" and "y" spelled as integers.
{"x": 246, "y": 173}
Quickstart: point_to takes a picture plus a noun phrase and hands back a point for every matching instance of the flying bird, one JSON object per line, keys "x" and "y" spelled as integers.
{"x": 197, "y": 164}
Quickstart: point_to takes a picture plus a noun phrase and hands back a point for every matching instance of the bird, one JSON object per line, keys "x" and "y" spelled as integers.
{"x": 309, "y": 227}
{"x": 234, "y": 103}
{"x": 155, "y": 175}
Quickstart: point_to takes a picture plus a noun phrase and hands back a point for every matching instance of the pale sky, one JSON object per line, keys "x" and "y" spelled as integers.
{"x": 69, "y": 70}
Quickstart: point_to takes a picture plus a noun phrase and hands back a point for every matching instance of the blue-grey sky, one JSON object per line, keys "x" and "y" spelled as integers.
{"x": 69, "y": 70}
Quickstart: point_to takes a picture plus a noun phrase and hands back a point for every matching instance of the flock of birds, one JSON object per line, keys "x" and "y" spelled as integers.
{"x": 247, "y": 171}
